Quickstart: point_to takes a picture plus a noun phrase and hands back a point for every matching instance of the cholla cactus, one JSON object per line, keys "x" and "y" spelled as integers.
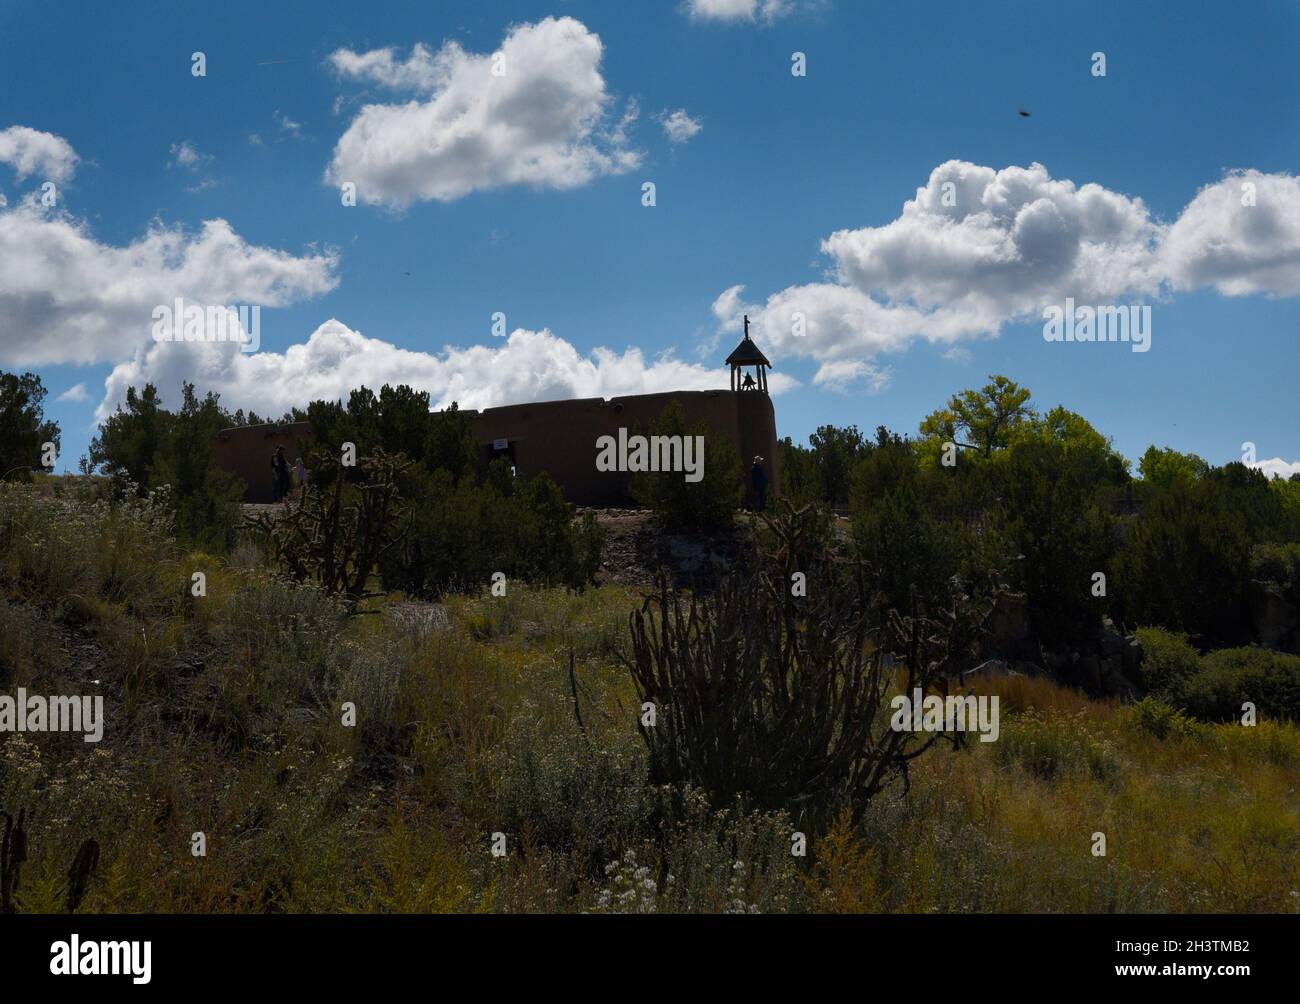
{"x": 774, "y": 695}
{"x": 350, "y": 518}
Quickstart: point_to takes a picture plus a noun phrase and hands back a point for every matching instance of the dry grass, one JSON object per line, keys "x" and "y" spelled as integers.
{"x": 225, "y": 717}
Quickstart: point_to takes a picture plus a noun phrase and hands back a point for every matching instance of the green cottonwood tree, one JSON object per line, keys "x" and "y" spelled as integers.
{"x": 982, "y": 420}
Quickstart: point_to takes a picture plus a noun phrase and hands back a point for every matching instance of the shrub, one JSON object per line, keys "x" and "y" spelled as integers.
{"x": 278, "y": 647}
{"x": 846, "y": 874}
{"x": 1168, "y": 661}
{"x": 1231, "y": 677}
{"x": 20, "y": 647}
{"x": 1161, "y": 720}
{"x": 463, "y": 532}
{"x": 571, "y": 795}
{"x": 73, "y": 549}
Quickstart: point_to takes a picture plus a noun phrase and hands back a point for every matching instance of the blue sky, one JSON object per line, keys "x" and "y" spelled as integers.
{"x": 528, "y": 200}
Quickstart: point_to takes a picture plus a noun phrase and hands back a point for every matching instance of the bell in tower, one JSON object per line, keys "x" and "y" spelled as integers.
{"x": 744, "y": 357}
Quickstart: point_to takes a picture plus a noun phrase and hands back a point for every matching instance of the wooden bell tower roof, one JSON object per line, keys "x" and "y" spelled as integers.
{"x": 747, "y": 353}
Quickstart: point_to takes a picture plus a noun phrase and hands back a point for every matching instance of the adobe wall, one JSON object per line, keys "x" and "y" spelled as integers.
{"x": 559, "y": 437}
{"x": 246, "y": 452}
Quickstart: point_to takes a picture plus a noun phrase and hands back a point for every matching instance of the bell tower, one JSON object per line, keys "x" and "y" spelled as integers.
{"x": 744, "y": 356}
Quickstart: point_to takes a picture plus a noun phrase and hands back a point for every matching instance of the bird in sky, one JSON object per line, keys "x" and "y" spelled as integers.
{"x": 1024, "y": 114}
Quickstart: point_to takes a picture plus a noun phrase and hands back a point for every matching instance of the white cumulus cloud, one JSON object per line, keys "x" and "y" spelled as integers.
{"x": 978, "y": 248}
{"x": 1240, "y": 235}
{"x": 678, "y": 126}
{"x": 739, "y": 10}
{"x": 1277, "y": 468}
{"x": 422, "y": 70}
{"x": 542, "y": 119}
{"x": 29, "y": 152}
{"x": 526, "y": 366}
{"x": 66, "y": 297}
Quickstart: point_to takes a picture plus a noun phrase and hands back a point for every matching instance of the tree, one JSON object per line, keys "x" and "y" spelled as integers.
{"x": 23, "y": 428}
{"x": 1185, "y": 563}
{"x": 836, "y": 452}
{"x": 1160, "y": 467}
{"x": 911, "y": 522}
{"x": 398, "y": 419}
{"x": 461, "y": 532}
{"x": 207, "y": 499}
{"x": 904, "y": 549}
{"x": 982, "y": 420}
{"x": 1079, "y": 441}
{"x": 1050, "y": 515}
{"x": 146, "y": 446}
{"x": 403, "y": 420}
{"x": 128, "y": 441}
{"x": 705, "y": 505}
{"x": 799, "y": 481}
{"x": 450, "y": 444}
